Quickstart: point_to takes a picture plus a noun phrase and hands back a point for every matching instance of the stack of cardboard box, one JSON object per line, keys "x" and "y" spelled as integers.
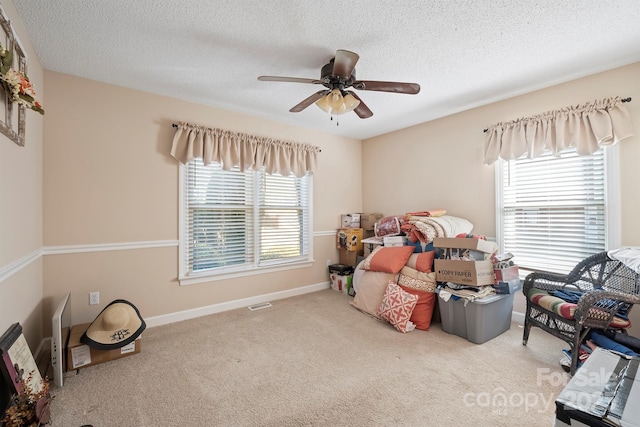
{"x": 354, "y": 228}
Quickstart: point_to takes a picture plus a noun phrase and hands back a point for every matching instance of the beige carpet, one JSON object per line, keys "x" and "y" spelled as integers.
{"x": 314, "y": 360}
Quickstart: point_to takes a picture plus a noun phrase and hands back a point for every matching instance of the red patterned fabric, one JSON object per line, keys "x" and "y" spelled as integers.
{"x": 397, "y": 306}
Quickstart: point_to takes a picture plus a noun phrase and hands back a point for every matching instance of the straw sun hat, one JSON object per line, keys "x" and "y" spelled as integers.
{"x": 117, "y": 325}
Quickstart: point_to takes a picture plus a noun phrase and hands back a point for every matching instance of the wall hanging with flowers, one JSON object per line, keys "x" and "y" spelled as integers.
{"x": 16, "y": 91}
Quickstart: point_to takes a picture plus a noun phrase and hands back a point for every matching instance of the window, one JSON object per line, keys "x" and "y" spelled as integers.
{"x": 555, "y": 211}
{"x": 237, "y": 222}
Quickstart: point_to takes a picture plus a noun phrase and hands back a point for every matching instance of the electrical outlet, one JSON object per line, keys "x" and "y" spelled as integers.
{"x": 94, "y": 298}
{"x": 329, "y": 262}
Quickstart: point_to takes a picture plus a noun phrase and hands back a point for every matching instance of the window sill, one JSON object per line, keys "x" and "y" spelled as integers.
{"x": 211, "y": 277}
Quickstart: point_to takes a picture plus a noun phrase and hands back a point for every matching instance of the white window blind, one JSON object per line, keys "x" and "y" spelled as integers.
{"x": 553, "y": 210}
{"x": 236, "y": 221}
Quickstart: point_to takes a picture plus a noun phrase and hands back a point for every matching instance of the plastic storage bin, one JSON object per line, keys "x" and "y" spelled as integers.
{"x": 478, "y": 321}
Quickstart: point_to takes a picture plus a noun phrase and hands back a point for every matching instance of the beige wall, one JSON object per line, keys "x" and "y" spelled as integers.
{"x": 21, "y": 211}
{"x": 109, "y": 179}
{"x": 439, "y": 164}
{"x": 102, "y": 176}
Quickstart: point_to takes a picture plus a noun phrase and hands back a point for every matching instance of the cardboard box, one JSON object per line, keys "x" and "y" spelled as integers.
{"x": 80, "y": 355}
{"x": 348, "y": 257}
{"x": 367, "y": 221}
{"x": 508, "y": 287}
{"x": 506, "y": 274}
{"x": 341, "y": 283}
{"x": 473, "y": 273}
{"x": 464, "y": 243}
{"x": 349, "y": 239}
{"x": 350, "y": 220}
{"x": 394, "y": 240}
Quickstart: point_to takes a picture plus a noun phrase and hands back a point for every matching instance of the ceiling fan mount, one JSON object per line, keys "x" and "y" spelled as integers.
{"x": 331, "y": 81}
{"x": 340, "y": 74}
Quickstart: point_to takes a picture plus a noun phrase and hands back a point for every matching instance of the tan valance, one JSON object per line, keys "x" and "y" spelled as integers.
{"x": 240, "y": 149}
{"x": 586, "y": 127}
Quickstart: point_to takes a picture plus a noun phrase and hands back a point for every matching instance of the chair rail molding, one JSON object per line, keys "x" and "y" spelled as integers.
{"x": 102, "y": 247}
{"x": 17, "y": 265}
{"x": 12, "y": 268}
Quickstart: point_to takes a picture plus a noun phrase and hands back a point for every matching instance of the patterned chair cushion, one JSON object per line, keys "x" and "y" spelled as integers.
{"x": 566, "y": 309}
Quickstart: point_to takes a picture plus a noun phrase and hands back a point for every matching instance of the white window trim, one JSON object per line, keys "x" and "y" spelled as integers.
{"x": 613, "y": 211}
{"x": 243, "y": 271}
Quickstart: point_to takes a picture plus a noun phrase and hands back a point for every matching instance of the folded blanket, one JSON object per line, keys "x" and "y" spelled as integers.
{"x": 425, "y": 229}
{"x": 625, "y": 339}
{"x": 604, "y": 341}
{"x": 432, "y": 212}
{"x": 469, "y": 294}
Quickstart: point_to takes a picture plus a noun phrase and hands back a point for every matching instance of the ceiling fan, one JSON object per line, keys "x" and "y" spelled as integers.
{"x": 337, "y": 76}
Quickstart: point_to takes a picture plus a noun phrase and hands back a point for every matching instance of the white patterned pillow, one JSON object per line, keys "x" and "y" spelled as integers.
{"x": 412, "y": 278}
{"x": 397, "y": 306}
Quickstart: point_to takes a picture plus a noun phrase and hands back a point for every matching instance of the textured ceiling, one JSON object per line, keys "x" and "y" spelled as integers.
{"x": 463, "y": 53}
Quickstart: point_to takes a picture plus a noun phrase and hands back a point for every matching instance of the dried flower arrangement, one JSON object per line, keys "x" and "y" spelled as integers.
{"x": 17, "y": 84}
{"x": 29, "y": 409}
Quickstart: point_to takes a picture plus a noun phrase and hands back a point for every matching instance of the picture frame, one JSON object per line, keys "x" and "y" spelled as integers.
{"x": 18, "y": 362}
{"x": 12, "y": 115}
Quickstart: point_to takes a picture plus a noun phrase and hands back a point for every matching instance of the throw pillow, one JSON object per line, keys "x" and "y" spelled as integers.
{"x": 415, "y": 279}
{"x": 397, "y": 306}
{"x": 388, "y": 259}
{"x": 423, "y": 311}
{"x": 422, "y": 261}
{"x": 370, "y": 290}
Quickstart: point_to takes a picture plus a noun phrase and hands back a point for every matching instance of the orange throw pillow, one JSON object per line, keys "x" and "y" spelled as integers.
{"x": 389, "y": 259}
{"x": 423, "y": 311}
{"x": 424, "y": 262}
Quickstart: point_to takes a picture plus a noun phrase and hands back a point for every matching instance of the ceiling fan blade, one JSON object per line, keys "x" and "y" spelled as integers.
{"x": 361, "y": 110}
{"x": 288, "y": 79}
{"x": 344, "y": 63}
{"x": 310, "y": 100}
{"x": 397, "y": 87}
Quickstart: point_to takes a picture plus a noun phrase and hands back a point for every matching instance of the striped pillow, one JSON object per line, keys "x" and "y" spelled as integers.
{"x": 566, "y": 309}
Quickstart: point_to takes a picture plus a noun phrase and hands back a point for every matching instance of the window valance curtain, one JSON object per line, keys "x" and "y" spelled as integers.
{"x": 239, "y": 149}
{"x": 586, "y": 127}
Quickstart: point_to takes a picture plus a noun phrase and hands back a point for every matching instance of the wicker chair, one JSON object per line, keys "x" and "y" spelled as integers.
{"x": 609, "y": 287}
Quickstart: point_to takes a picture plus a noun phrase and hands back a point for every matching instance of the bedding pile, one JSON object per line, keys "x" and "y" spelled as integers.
{"x": 426, "y": 228}
{"x": 394, "y": 284}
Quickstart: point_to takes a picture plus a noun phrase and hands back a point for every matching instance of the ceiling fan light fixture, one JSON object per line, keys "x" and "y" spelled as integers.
{"x": 324, "y": 104}
{"x": 335, "y": 103}
{"x": 335, "y": 99}
{"x": 350, "y": 102}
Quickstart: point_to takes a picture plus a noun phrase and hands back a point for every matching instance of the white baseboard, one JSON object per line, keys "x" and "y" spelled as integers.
{"x": 165, "y": 319}
{"x": 517, "y": 317}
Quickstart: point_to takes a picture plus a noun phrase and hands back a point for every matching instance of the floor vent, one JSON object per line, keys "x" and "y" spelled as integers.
{"x": 260, "y": 306}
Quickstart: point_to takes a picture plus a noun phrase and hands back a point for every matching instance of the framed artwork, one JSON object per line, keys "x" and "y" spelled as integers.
{"x": 13, "y": 58}
{"x": 18, "y": 362}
